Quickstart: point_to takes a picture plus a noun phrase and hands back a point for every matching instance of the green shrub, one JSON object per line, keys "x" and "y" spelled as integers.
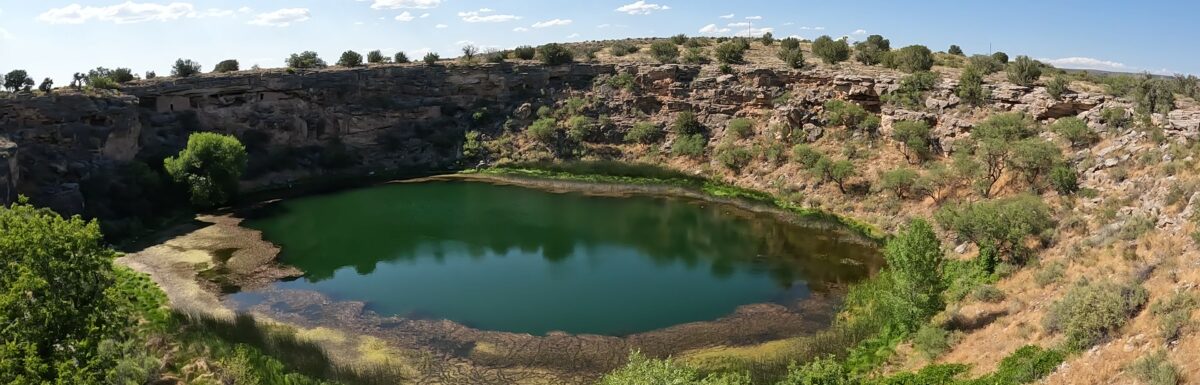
{"x": 914, "y": 258}
{"x": 1028, "y": 364}
{"x": 1058, "y": 86}
{"x": 912, "y": 58}
{"x": 493, "y": 55}
{"x": 1174, "y": 314}
{"x": 970, "y": 87}
{"x": 901, "y": 181}
{"x": 1008, "y": 126}
{"x": 56, "y": 297}
{"x": 1000, "y": 57}
{"x": 872, "y": 50}
{"x": 850, "y": 115}
{"x": 524, "y": 52}
{"x": 1074, "y": 130}
{"x": 679, "y": 39}
{"x": 793, "y": 58}
{"x": 209, "y": 167}
{"x": 725, "y": 69}
{"x": 664, "y": 51}
{"x": 730, "y": 52}
{"x": 988, "y": 293}
{"x": 350, "y": 59}
{"x": 622, "y": 80}
{"x": 644, "y": 132}
{"x": 1153, "y": 96}
{"x": 1155, "y": 369}
{"x": 400, "y": 58}
{"x": 805, "y": 155}
{"x": 689, "y": 145}
{"x": 621, "y": 48}
{"x": 1002, "y": 224}
{"x": 955, "y": 50}
{"x": 1088, "y": 313}
{"x": 831, "y": 51}
{"x": 555, "y": 54}
{"x": 1064, "y": 180}
{"x": 914, "y": 139}
{"x": 581, "y": 128}
{"x": 1024, "y": 71}
{"x": 1049, "y": 274}
{"x": 932, "y": 341}
{"x": 226, "y": 66}
{"x": 431, "y": 58}
{"x": 376, "y": 57}
{"x": 686, "y": 124}
{"x": 544, "y": 130}
{"x": 911, "y": 92}
{"x": 821, "y": 371}
{"x": 767, "y": 39}
{"x": 1034, "y": 158}
{"x": 184, "y": 68}
{"x": 840, "y": 172}
{"x": 789, "y": 43}
{"x": 1115, "y": 117}
{"x": 985, "y": 64}
{"x": 740, "y": 128}
{"x": 642, "y": 370}
{"x": 734, "y": 157}
{"x": 694, "y": 56}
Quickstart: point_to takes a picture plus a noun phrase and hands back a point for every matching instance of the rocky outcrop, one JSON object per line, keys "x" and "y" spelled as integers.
{"x": 10, "y": 172}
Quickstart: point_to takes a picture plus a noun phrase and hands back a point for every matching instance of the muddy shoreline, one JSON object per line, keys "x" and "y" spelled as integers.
{"x": 196, "y": 264}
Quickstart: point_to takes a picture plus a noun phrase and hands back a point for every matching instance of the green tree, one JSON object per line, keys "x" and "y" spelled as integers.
{"x": 686, "y": 124}
{"x": 376, "y": 57}
{"x": 544, "y": 131}
{"x": 55, "y": 300}
{"x": 872, "y": 50}
{"x": 469, "y": 52}
{"x": 47, "y": 85}
{"x": 912, "y": 89}
{"x": 840, "y": 172}
{"x": 1024, "y": 71}
{"x": 789, "y": 43}
{"x": 350, "y": 59}
{"x": 1000, "y": 57}
{"x": 914, "y": 139}
{"x": 831, "y": 51}
{"x": 401, "y": 58}
{"x": 524, "y": 52}
{"x": 767, "y": 39}
{"x": 226, "y": 66}
{"x": 209, "y": 166}
{"x": 955, "y": 50}
{"x": 1153, "y": 96}
{"x": 912, "y": 58}
{"x": 1033, "y": 158}
{"x": 1074, "y": 130}
{"x": 664, "y": 51}
{"x": 970, "y": 87}
{"x": 555, "y": 54}
{"x": 305, "y": 60}
{"x": 900, "y": 181}
{"x": 1000, "y": 224}
{"x": 915, "y": 259}
{"x": 1064, "y": 179}
{"x": 15, "y": 80}
{"x": 184, "y": 68}
{"x": 431, "y": 58}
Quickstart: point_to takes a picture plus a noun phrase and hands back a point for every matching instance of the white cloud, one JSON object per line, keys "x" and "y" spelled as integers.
{"x": 441, "y": 26}
{"x": 424, "y": 15}
{"x": 712, "y": 29}
{"x": 859, "y": 31}
{"x": 245, "y": 10}
{"x": 641, "y": 7}
{"x": 398, "y": 4}
{"x": 5, "y": 35}
{"x": 1077, "y": 62}
{"x": 753, "y": 17}
{"x": 482, "y": 16}
{"x": 520, "y": 29}
{"x": 729, "y": 16}
{"x": 404, "y": 16}
{"x": 813, "y": 28}
{"x": 125, "y": 13}
{"x": 788, "y": 23}
{"x": 573, "y": 35}
{"x": 359, "y": 23}
{"x": 551, "y": 23}
{"x": 281, "y": 18}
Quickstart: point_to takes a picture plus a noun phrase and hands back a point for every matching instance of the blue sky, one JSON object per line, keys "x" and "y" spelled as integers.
{"x": 57, "y": 38}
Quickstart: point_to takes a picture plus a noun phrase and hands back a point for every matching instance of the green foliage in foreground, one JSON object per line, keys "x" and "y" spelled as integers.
{"x": 56, "y": 303}
{"x": 648, "y": 371}
{"x": 209, "y": 166}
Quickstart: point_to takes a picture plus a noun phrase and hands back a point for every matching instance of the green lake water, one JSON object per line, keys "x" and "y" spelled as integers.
{"x": 529, "y": 261}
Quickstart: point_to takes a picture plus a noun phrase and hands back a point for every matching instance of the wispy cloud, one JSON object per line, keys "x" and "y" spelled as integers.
{"x": 398, "y": 4}
{"x": 127, "y": 13}
{"x": 405, "y": 16}
{"x": 641, "y": 7}
{"x": 551, "y": 23}
{"x": 713, "y": 29}
{"x": 1079, "y": 62}
{"x": 282, "y": 18}
{"x": 485, "y": 15}
{"x": 859, "y": 31}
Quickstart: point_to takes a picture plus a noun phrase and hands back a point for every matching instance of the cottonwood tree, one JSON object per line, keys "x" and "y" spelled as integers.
{"x": 913, "y": 137}
{"x": 350, "y": 59}
{"x": 209, "y": 167}
{"x": 915, "y": 259}
{"x": 16, "y": 79}
{"x": 829, "y": 50}
{"x": 184, "y": 68}
{"x": 305, "y": 60}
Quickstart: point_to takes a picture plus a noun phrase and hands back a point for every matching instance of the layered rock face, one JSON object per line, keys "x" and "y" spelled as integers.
{"x": 73, "y": 152}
